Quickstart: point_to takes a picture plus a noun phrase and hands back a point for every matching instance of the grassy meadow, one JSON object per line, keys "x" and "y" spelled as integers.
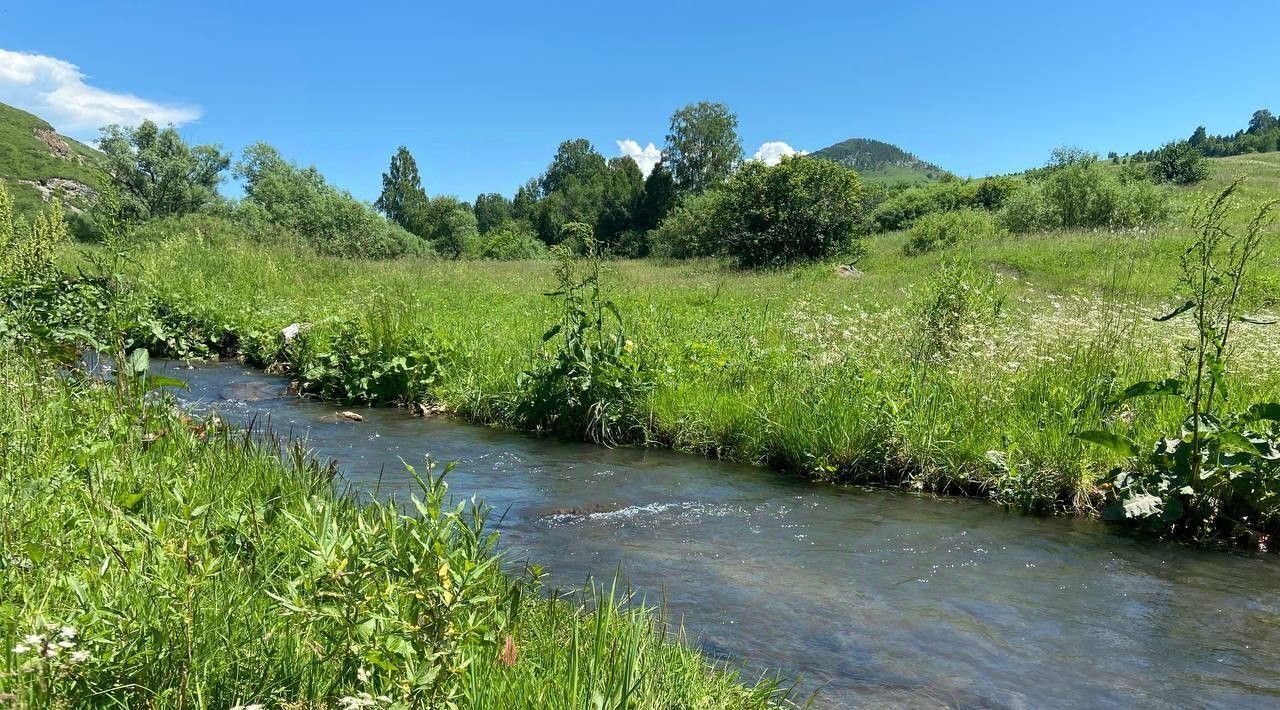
{"x": 803, "y": 370}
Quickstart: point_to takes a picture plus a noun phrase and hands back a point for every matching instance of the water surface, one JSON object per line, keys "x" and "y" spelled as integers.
{"x": 876, "y": 597}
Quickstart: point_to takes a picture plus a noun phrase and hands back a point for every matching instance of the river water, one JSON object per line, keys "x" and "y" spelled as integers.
{"x": 871, "y": 597}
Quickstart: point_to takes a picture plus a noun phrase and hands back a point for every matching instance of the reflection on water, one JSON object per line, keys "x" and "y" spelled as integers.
{"x": 879, "y": 598}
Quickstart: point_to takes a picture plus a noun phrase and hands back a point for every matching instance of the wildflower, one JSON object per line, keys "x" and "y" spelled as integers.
{"x": 251, "y": 706}
{"x": 82, "y": 656}
{"x": 20, "y": 649}
{"x": 363, "y": 674}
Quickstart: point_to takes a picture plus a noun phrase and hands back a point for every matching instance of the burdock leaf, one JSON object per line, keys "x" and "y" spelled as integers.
{"x": 1176, "y": 312}
{"x": 1265, "y": 410}
{"x": 1122, "y": 445}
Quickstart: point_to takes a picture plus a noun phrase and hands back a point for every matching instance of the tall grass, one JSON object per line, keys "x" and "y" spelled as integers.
{"x": 149, "y": 560}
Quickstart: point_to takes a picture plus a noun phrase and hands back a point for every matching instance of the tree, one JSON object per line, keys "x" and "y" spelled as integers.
{"x": 659, "y": 197}
{"x": 621, "y": 201}
{"x": 1262, "y": 121}
{"x": 492, "y": 210}
{"x": 702, "y": 146}
{"x": 798, "y": 210}
{"x": 452, "y": 225}
{"x": 157, "y": 174}
{"x": 403, "y": 199}
{"x": 1199, "y": 136}
{"x": 575, "y": 161}
{"x": 1179, "y": 162}
{"x": 298, "y": 200}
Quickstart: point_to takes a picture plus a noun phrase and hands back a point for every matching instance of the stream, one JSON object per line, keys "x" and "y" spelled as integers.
{"x": 871, "y": 597}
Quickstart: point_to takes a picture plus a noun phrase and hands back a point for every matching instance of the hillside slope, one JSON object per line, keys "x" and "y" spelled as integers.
{"x": 36, "y": 163}
{"x": 877, "y": 161}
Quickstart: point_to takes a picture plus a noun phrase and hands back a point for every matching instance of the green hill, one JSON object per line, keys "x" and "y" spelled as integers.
{"x": 36, "y": 163}
{"x": 877, "y": 161}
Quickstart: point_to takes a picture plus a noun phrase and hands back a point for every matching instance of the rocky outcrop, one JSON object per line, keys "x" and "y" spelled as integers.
{"x": 57, "y": 146}
{"x": 74, "y": 194}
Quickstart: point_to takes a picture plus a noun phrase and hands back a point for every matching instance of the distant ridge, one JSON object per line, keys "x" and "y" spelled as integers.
{"x": 877, "y": 161}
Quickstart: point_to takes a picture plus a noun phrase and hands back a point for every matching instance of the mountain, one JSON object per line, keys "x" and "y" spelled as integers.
{"x": 877, "y": 161}
{"x": 37, "y": 164}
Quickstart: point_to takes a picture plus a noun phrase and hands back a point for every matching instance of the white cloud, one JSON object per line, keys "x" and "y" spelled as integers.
{"x": 55, "y": 90}
{"x": 645, "y": 157}
{"x": 772, "y": 152}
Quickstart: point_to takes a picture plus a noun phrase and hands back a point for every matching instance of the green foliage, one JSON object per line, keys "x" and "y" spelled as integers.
{"x": 659, "y": 198}
{"x": 702, "y": 146}
{"x": 280, "y": 195}
{"x": 450, "y": 226}
{"x": 1180, "y": 163}
{"x": 959, "y": 301}
{"x": 402, "y": 198}
{"x": 1219, "y": 476}
{"x": 157, "y": 174}
{"x": 695, "y": 227}
{"x": 511, "y": 241}
{"x": 901, "y": 209}
{"x": 593, "y": 382}
{"x": 27, "y": 250}
{"x": 153, "y": 560}
{"x": 940, "y": 230}
{"x": 798, "y": 210}
{"x": 1076, "y": 191}
{"x": 492, "y": 211}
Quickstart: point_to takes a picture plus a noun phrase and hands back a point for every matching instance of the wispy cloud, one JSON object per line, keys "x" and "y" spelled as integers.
{"x": 55, "y": 90}
{"x": 645, "y": 157}
{"x": 772, "y": 152}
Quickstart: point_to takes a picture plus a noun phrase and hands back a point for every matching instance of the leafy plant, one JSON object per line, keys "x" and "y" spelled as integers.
{"x": 1220, "y": 473}
{"x": 940, "y": 230}
{"x": 960, "y": 298}
{"x": 594, "y": 382}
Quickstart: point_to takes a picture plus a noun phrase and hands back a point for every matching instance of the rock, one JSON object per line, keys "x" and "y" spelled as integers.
{"x": 57, "y": 146}
{"x": 846, "y": 271}
{"x": 351, "y": 415}
{"x": 63, "y": 189}
{"x": 291, "y": 331}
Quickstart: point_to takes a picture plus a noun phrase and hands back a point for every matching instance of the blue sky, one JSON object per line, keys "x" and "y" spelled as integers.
{"x": 483, "y": 93}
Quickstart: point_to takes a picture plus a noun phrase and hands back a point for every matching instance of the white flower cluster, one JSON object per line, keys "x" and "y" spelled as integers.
{"x": 56, "y": 645}
{"x": 363, "y": 700}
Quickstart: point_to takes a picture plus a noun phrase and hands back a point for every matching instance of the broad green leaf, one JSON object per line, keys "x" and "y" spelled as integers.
{"x": 551, "y": 333}
{"x": 1265, "y": 410}
{"x": 139, "y": 361}
{"x": 1143, "y": 505}
{"x": 130, "y": 501}
{"x": 1171, "y": 387}
{"x": 1122, "y": 445}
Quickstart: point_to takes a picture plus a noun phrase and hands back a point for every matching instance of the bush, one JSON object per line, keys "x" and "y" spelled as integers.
{"x": 510, "y": 242}
{"x": 693, "y": 229}
{"x": 1078, "y": 192}
{"x": 1180, "y": 163}
{"x": 944, "y": 229}
{"x": 1025, "y": 211}
{"x": 959, "y": 300}
{"x": 279, "y": 194}
{"x": 902, "y": 209}
{"x": 801, "y": 209}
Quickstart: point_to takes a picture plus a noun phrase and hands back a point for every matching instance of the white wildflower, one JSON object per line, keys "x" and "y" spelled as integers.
{"x": 82, "y": 656}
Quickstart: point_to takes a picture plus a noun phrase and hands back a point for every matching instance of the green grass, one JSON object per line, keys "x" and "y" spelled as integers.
{"x": 24, "y": 156}
{"x": 801, "y": 370}
{"x": 149, "y": 560}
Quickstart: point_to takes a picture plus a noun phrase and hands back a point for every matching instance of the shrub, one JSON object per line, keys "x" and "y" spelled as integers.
{"x": 1077, "y": 192}
{"x": 593, "y": 382}
{"x": 692, "y": 229}
{"x": 1025, "y": 211}
{"x": 900, "y": 210}
{"x": 1180, "y": 163}
{"x": 510, "y": 242}
{"x": 279, "y": 194}
{"x": 959, "y": 300}
{"x": 944, "y": 229}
